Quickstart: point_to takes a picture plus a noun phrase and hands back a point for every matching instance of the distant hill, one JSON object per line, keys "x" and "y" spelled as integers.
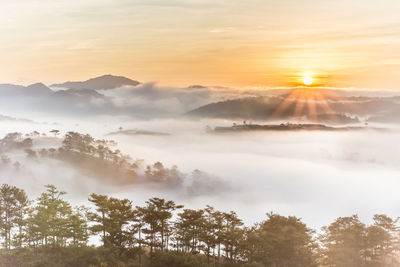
{"x": 4, "y": 118}
{"x": 82, "y": 94}
{"x": 99, "y": 83}
{"x": 138, "y": 132}
{"x": 36, "y": 90}
{"x": 40, "y": 98}
{"x": 282, "y": 127}
{"x": 316, "y": 105}
{"x": 332, "y": 118}
{"x": 329, "y": 108}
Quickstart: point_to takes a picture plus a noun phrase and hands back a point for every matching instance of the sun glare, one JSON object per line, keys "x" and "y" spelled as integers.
{"x": 307, "y": 80}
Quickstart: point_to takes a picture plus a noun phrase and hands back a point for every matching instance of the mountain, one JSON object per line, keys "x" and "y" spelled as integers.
{"x": 39, "y": 89}
{"x": 40, "y": 98}
{"x": 34, "y": 90}
{"x": 83, "y": 94}
{"x": 99, "y": 83}
{"x": 314, "y": 106}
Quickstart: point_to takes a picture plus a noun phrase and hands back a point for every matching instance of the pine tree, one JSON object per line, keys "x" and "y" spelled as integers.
{"x": 51, "y": 215}
{"x": 8, "y": 203}
{"x": 99, "y": 217}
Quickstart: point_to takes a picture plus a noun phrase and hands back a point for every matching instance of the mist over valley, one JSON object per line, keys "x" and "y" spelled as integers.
{"x": 291, "y": 172}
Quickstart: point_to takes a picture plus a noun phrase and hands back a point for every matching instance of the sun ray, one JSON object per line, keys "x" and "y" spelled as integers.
{"x": 310, "y": 99}
{"x": 312, "y": 108}
{"x": 285, "y": 104}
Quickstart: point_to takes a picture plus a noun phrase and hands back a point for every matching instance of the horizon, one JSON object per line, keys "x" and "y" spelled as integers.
{"x": 255, "y": 88}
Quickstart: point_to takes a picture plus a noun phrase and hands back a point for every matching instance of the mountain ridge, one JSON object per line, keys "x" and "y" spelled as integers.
{"x": 103, "y": 82}
{"x": 36, "y": 89}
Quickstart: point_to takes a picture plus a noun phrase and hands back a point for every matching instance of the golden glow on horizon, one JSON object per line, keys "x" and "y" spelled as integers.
{"x": 308, "y": 104}
{"x": 228, "y": 43}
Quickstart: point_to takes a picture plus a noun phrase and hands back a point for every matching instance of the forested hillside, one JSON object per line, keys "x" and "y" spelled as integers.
{"x": 48, "y": 231}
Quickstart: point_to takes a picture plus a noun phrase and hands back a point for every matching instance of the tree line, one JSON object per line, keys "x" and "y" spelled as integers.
{"x": 48, "y": 231}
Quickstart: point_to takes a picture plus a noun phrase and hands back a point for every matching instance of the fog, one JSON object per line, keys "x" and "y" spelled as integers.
{"x": 315, "y": 175}
{"x": 145, "y": 101}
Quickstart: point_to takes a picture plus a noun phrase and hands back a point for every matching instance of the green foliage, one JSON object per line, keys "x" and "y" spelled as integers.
{"x": 78, "y": 142}
{"x": 189, "y": 227}
{"x": 13, "y": 206}
{"x": 49, "y": 232}
{"x": 59, "y": 257}
{"x": 177, "y": 259}
{"x": 281, "y": 241}
{"x": 349, "y": 242}
{"x": 156, "y": 215}
{"x": 51, "y": 218}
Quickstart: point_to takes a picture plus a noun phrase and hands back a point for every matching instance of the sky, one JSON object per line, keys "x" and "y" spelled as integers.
{"x": 221, "y": 42}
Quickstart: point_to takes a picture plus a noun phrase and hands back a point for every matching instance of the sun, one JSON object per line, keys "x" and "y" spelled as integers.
{"x": 307, "y": 80}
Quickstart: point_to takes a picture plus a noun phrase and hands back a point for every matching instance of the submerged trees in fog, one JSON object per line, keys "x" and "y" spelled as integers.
{"x": 101, "y": 160}
{"x": 14, "y": 141}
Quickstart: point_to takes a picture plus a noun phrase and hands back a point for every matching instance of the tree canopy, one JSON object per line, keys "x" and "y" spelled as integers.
{"x": 48, "y": 231}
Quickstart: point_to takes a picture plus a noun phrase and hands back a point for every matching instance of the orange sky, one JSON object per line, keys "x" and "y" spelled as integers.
{"x": 182, "y": 42}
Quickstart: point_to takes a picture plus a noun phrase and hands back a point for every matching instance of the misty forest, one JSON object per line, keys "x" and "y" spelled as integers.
{"x": 50, "y": 232}
{"x": 111, "y": 231}
{"x": 199, "y": 133}
{"x": 112, "y": 172}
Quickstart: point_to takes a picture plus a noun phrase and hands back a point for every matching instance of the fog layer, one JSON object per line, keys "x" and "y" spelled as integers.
{"x": 314, "y": 175}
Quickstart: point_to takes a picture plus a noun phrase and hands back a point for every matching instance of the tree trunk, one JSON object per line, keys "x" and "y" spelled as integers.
{"x": 140, "y": 248}
{"x": 104, "y": 230}
{"x": 162, "y": 235}
{"x": 219, "y": 253}
{"x": 208, "y": 255}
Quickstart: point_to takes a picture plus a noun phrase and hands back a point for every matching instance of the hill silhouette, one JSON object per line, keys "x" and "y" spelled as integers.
{"x": 36, "y": 90}
{"x": 99, "y": 83}
{"x": 315, "y": 106}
